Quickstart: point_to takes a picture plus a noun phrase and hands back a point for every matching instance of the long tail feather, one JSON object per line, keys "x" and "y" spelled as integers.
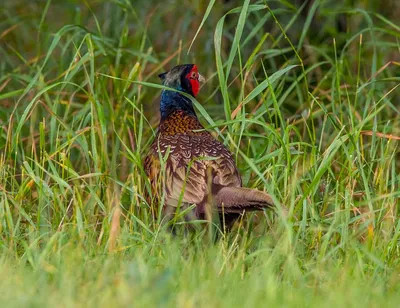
{"x": 238, "y": 199}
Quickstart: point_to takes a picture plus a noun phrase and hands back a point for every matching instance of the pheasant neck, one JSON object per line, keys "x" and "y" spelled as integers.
{"x": 172, "y": 101}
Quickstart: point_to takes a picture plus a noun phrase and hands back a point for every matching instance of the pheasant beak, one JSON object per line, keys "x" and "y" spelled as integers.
{"x": 201, "y": 79}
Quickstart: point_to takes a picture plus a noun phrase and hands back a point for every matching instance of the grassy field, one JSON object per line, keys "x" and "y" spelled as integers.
{"x": 306, "y": 96}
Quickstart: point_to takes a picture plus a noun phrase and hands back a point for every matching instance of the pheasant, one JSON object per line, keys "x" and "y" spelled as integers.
{"x": 187, "y": 165}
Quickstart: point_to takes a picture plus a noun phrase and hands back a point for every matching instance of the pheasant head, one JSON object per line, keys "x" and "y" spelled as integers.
{"x": 184, "y": 78}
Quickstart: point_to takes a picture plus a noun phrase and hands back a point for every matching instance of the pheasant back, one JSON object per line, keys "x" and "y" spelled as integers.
{"x": 188, "y": 164}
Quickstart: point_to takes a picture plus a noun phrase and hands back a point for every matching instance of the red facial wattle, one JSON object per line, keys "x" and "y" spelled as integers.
{"x": 194, "y": 81}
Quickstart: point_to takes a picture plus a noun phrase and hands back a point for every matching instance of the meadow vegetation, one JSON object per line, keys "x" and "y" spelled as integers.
{"x": 306, "y": 96}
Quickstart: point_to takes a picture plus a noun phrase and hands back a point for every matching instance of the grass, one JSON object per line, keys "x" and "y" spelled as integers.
{"x": 306, "y": 96}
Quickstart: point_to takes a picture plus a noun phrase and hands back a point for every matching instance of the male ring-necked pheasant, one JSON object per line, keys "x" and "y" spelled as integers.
{"x": 198, "y": 169}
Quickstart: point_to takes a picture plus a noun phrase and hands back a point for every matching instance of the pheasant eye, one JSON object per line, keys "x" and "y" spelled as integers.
{"x": 193, "y": 75}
